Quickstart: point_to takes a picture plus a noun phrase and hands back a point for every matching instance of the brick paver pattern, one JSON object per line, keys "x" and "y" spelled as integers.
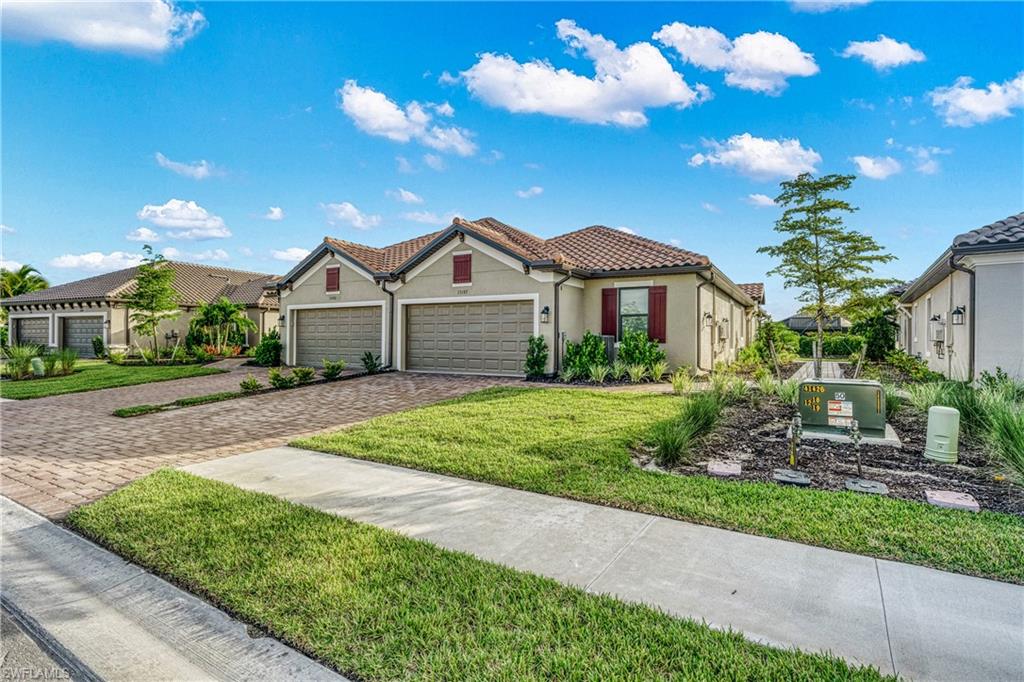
{"x": 60, "y": 452}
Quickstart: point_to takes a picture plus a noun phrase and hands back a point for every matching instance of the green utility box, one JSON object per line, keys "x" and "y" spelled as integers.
{"x": 830, "y": 405}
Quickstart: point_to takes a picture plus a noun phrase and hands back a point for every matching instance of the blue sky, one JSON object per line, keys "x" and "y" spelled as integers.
{"x": 376, "y": 122}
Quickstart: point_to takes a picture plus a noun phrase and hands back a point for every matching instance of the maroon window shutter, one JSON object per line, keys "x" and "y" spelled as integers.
{"x": 609, "y": 311}
{"x": 462, "y": 268}
{"x": 334, "y": 279}
{"x": 656, "y": 310}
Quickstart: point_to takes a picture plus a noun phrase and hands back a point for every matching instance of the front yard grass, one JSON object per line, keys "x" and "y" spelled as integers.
{"x": 575, "y": 444}
{"x": 376, "y": 605}
{"x": 91, "y": 375}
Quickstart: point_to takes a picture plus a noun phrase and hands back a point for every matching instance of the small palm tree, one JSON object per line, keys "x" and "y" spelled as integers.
{"x": 24, "y": 280}
{"x": 215, "y": 321}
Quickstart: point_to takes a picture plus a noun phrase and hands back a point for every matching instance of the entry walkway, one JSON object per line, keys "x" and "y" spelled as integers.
{"x": 918, "y": 622}
{"x": 101, "y": 618}
{"x": 829, "y": 370}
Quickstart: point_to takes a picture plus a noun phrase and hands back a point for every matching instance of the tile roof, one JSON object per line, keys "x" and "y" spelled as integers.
{"x": 754, "y": 290}
{"x": 596, "y": 248}
{"x": 194, "y": 283}
{"x": 1002, "y": 233}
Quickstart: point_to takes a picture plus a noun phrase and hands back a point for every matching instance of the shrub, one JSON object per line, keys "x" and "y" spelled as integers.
{"x": 893, "y": 400}
{"x": 303, "y": 375}
{"x": 179, "y": 355}
{"x": 67, "y": 358}
{"x": 250, "y": 384}
{"x": 748, "y": 360}
{"x": 333, "y": 368}
{"x": 879, "y": 333}
{"x": 267, "y": 352}
{"x": 598, "y": 373}
{"x": 637, "y": 349}
{"x": 371, "y": 363}
{"x": 1005, "y": 435}
{"x": 200, "y": 354}
{"x": 637, "y": 373}
{"x": 618, "y": 370}
{"x": 787, "y": 342}
{"x": 98, "y": 348}
{"x": 788, "y": 391}
{"x": 117, "y": 357}
{"x": 50, "y": 361}
{"x": 915, "y": 368}
{"x": 834, "y": 344}
{"x": 729, "y": 388}
{"x": 658, "y": 370}
{"x": 767, "y": 385}
{"x": 682, "y": 382}
{"x": 1003, "y": 384}
{"x": 568, "y": 374}
{"x": 674, "y": 439}
{"x": 279, "y": 380}
{"x": 536, "y": 357}
{"x": 589, "y": 351}
{"x": 19, "y": 359}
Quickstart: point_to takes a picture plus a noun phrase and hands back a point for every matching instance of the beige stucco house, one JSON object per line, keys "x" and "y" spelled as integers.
{"x": 467, "y": 299}
{"x": 70, "y": 315}
{"x": 965, "y": 313}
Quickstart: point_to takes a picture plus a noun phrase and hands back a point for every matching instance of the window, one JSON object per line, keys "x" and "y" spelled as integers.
{"x": 333, "y": 280}
{"x": 632, "y": 311}
{"x": 462, "y": 268}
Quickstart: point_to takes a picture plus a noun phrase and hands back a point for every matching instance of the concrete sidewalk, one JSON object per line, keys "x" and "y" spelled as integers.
{"x": 918, "y": 622}
{"x": 103, "y": 618}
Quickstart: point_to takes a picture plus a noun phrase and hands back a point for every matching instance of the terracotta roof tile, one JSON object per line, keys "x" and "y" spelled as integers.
{"x": 754, "y": 290}
{"x": 604, "y": 249}
{"x": 194, "y": 283}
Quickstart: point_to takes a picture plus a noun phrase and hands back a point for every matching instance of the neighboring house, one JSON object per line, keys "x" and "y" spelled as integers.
{"x": 965, "y": 313}
{"x": 804, "y": 324}
{"x": 467, "y": 298}
{"x": 70, "y": 315}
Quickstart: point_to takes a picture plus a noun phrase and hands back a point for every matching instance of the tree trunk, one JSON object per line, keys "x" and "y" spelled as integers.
{"x": 819, "y": 348}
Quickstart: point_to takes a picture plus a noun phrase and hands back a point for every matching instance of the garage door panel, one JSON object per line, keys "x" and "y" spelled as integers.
{"x": 489, "y": 338}
{"x": 333, "y": 333}
{"x": 33, "y": 330}
{"x": 78, "y": 333}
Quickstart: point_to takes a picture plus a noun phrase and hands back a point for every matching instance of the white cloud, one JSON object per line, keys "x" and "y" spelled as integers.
{"x": 443, "y": 109}
{"x": 9, "y": 264}
{"x": 493, "y": 157}
{"x": 529, "y": 192}
{"x": 404, "y": 166}
{"x": 675, "y": 242}
{"x": 883, "y": 53}
{"x": 759, "y": 61}
{"x": 6, "y": 229}
{"x": 760, "y": 200}
{"x": 877, "y": 167}
{"x": 819, "y": 6}
{"x": 625, "y": 83}
{"x": 627, "y": 230}
{"x": 447, "y": 79}
{"x": 405, "y": 196}
{"x": 95, "y": 260}
{"x": 186, "y": 219}
{"x": 759, "y": 158}
{"x": 245, "y": 251}
{"x": 709, "y": 207}
{"x": 292, "y": 254}
{"x": 434, "y": 161}
{"x": 149, "y": 26}
{"x": 142, "y": 234}
{"x": 274, "y": 213}
{"x": 924, "y": 158}
{"x": 197, "y": 170}
{"x": 429, "y": 217}
{"x": 376, "y": 114}
{"x": 348, "y": 213}
{"x": 207, "y": 255}
{"x": 964, "y": 106}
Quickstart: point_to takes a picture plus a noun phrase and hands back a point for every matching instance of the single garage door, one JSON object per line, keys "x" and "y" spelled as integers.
{"x": 483, "y": 338}
{"x": 334, "y": 333}
{"x": 34, "y": 330}
{"x": 78, "y": 333}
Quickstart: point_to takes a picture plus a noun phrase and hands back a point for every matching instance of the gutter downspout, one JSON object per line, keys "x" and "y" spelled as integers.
{"x": 391, "y": 324}
{"x": 558, "y": 340}
{"x": 700, "y": 329}
{"x": 972, "y": 299}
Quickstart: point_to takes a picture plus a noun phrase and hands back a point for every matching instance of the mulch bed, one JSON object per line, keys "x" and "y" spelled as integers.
{"x": 754, "y": 435}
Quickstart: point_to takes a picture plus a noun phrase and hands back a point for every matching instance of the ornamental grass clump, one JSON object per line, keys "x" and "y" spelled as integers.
{"x": 567, "y": 375}
{"x": 658, "y": 370}
{"x": 1005, "y": 434}
{"x": 674, "y": 439}
{"x": 788, "y": 391}
{"x": 682, "y": 382}
{"x": 67, "y": 358}
{"x": 637, "y": 373}
{"x": 618, "y": 370}
{"x": 598, "y": 373}
{"x": 923, "y": 396}
{"x": 19, "y": 359}
{"x": 767, "y": 385}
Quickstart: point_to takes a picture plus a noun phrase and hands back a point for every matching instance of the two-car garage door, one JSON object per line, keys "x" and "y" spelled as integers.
{"x": 333, "y": 333}
{"x": 485, "y": 338}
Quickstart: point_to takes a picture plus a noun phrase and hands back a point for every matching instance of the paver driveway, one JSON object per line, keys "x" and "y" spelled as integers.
{"x": 63, "y": 451}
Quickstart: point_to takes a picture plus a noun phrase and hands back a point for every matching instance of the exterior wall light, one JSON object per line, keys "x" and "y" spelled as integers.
{"x": 708, "y": 319}
{"x": 545, "y": 314}
{"x": 280, "y": 320}
{"x": 957, "y": 316}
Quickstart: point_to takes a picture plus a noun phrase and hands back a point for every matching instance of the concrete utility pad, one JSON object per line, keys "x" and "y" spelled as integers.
{"x": 891, "y": 439}
{"x": 952, "y": 500}
{"x": 724, "y": 469}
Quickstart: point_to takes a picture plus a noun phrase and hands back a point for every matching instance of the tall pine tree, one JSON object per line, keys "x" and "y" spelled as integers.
{"x": 829, "y": 263}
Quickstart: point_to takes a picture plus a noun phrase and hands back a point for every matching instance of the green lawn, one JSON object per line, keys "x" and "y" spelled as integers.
{"x": 574, "y": 443}
{"x": 376, "y": 605}
{"x": 91, "y": 375}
